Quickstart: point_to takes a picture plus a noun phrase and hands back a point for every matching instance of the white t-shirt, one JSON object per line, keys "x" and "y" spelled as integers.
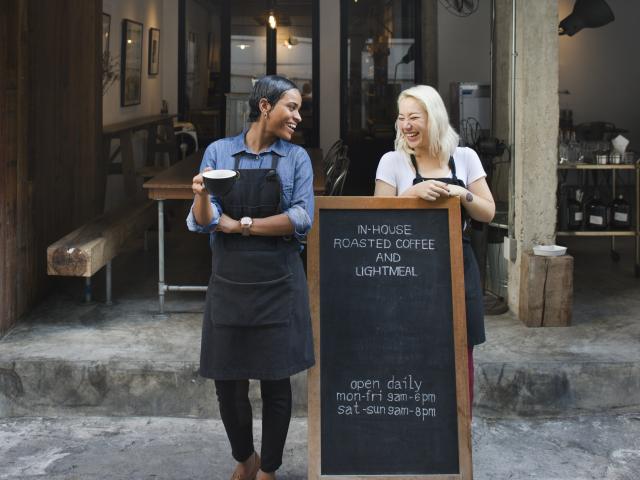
{"x": 395, "y": 169}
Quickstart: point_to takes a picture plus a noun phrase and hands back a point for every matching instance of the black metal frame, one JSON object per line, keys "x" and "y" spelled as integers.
{"x": 315, "y": 65}
{"x": 123, "y": 59}
{"x": 108, "y": 32}
{"x": 344, "y": 54}
{"x": 182, "y": 57}
{"x": 158, "y": 52}
{"x": 225, "y": 62}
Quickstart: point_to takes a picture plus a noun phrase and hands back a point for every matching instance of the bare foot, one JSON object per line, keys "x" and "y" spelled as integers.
{"x": 266, "y": 476}
{"x": 245, "y": 469}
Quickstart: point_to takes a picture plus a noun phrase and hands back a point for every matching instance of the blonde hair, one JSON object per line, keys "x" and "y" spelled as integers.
{"x": 443, "y": 139}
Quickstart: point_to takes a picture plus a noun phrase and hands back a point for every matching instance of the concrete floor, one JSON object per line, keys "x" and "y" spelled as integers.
{"x": 106, "y": 393}
{"x": 67, "y": 359}
{"x": 92, "y": 448}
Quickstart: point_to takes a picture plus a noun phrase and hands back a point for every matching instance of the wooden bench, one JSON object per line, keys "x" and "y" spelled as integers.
{"x": 92, "y": 246}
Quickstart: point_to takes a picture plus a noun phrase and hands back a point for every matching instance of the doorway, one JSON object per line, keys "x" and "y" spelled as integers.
{"x": 380, "y": 55}
{"x": 243, "y": 47}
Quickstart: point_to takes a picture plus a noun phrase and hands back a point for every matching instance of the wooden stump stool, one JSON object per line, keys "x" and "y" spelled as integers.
{"x": 546, "y": 290}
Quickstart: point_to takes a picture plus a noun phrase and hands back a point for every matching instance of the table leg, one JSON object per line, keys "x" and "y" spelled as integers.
{"x": 161, "y": 284}
{"x": 613, "y": 237}
{"x": 128, "y": 163}
{"x": 170, "y": 134}
{"x": 106, "y": 154}
{"x": 637, "y": 266}
{"x": 152, "y": 141}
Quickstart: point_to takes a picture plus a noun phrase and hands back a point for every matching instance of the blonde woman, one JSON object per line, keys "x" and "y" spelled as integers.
{"x": 428, "y": 163}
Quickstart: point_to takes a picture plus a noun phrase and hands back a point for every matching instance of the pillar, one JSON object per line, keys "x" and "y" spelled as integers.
{"x": 536, "y": 123}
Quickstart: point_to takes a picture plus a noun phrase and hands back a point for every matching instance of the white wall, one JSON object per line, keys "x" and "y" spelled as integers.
{"x": 151, "y": 14}
{"x": 329, "y": 73}
{"x": 599, "y": 67}
{"x": 463, "y": 48}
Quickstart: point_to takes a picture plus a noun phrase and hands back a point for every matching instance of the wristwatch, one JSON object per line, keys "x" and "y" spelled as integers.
{"x": 245, "y": 223}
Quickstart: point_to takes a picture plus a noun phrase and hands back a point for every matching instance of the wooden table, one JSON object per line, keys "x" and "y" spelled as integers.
{"x": 155, "y": 143}
{"x": 175, "y": 183}
{"x": 317, "y": 162}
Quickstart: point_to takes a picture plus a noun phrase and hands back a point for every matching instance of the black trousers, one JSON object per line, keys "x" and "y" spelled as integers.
{"x": 235, "y": 410}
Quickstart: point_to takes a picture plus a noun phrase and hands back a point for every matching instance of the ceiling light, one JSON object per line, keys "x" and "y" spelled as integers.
{"x": 586, "y": 14}
{"x": 273, "y": 17}
{"x": 128, "y": 41}
{"x": 242, "y": 46}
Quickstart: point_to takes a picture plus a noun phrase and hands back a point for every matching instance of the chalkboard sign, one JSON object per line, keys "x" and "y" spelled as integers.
{"x": 389, "y": 393}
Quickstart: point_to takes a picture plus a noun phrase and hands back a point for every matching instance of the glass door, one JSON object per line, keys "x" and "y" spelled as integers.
{"x": 380, "y": 57}
{"x": 245, "y": 46}
{"x": 295, "y": 48}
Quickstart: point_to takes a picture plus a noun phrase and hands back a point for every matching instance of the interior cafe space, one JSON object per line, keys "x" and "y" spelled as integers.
{"x": 176, "y": 75}
{"x": 350, "y": 60}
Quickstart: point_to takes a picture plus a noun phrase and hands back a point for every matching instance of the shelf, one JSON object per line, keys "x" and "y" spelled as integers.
{"x": 621, "y": 166}
{"x": 595, "y": 233}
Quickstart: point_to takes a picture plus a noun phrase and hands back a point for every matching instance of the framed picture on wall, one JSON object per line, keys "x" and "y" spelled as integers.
{"x": 210, "y": 52}
{"x": 154, "y": 51}
{"x": 106, "y": 27}
{"x": 131, "y": 61}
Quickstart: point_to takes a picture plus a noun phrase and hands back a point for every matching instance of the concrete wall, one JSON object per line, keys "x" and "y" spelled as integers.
{"x": 599, "y": 67}
{"x": 151, "y": 14}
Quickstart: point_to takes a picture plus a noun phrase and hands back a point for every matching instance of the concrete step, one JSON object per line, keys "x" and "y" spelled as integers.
{"x": 116, "y": 363}
{"x": 66, "y": 359}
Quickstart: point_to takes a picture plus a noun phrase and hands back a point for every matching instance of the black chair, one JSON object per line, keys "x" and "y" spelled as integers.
{"x": 330, "y": 157}
{"x": 336, "y": 176}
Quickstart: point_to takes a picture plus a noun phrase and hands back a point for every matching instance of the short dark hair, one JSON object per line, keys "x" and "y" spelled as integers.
{"x": 271, "y": 88}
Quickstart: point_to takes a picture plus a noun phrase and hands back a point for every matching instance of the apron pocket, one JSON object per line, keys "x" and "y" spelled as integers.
{"x": 260, "y": 304}
{"x": 256, "y": 243}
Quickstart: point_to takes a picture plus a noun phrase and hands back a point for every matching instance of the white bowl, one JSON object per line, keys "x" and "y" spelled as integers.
{"x": 549, "y": 250}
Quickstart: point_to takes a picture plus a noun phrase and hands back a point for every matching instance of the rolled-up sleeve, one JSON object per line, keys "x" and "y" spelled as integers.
{"x": 209, "y": 160}
{"x": 302, "y": 203}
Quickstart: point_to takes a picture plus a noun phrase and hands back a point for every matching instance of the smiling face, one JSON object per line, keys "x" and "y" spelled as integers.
{"x": 283, "y": 119}
{"x": 412, "y": 122}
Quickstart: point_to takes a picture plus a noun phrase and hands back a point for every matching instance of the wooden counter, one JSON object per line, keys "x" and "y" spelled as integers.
{"x": 176, "y": 181}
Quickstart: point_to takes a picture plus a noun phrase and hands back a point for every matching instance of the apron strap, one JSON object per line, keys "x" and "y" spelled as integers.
{"x": 452, "y": 167}
{"x": 415, "y": 165}
{"x": 274, "y": 161}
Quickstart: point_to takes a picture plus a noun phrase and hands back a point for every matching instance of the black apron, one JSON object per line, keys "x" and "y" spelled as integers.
{"x": 472, "y": 288}
{"x": 257, "y": 323}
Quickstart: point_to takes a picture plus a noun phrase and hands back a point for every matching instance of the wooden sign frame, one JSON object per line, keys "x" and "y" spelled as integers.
{"x": 459, "y": 328}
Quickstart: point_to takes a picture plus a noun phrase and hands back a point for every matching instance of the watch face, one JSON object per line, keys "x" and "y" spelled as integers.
{"x": 246, "y": 221}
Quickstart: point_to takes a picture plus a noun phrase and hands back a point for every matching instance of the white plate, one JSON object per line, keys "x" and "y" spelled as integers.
{"x": 549, "y": 250}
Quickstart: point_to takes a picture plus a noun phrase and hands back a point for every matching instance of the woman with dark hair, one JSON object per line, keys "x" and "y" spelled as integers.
{"x": 257, "y": 323}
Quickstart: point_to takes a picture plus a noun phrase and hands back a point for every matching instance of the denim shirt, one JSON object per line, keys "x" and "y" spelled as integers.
{"x": 294, "y": 169}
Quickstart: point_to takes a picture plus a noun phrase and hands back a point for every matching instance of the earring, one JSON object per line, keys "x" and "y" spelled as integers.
{"x": 265, "y": 114}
